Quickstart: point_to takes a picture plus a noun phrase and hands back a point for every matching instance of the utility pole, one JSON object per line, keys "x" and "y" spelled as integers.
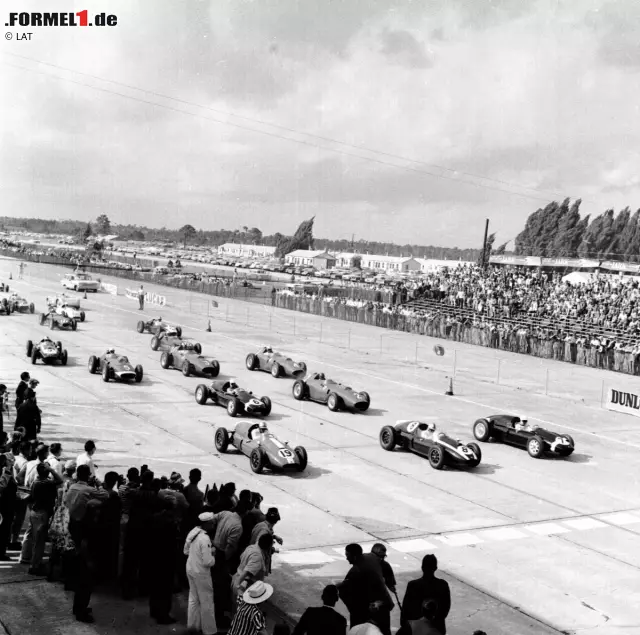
{"x": 484, "y": 244}
{"x": 352, "y": 237}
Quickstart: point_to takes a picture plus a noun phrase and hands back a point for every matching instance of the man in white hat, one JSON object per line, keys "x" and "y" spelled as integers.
{"x": 249, "y": 619}
{"x": 198, "y": 548}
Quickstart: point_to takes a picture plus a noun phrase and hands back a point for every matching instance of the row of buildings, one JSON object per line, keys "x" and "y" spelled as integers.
{"x": 323, "y": 259}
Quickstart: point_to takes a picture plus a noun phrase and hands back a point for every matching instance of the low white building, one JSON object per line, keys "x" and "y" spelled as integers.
{"x": 246, "y": 251}
{"x": 429, "y": 264}
{"x": 389, "y": 263}
{"x": 319, "y": 258}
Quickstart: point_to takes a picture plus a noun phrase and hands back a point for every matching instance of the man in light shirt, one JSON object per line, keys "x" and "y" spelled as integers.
{"x": 86, "y": 458}
{"x": 55, "y": 452}
{"x": 28, "y": 473}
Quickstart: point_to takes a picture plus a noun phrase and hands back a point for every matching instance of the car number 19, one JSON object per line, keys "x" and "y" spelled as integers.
{"x": 285, "y": 454}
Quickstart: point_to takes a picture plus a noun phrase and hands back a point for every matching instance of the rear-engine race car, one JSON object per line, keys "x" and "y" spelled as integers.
{"x": 167, "y": 339}
{"x": 317, "y": 387}
{"x": 20, "y": 304}
{"x": 47, "y": 351}
{"x": 70, "y": 312}
{"x": 63, "y": 298}
{"x": 424, "y": 439}
{"x": 114, "y": 366}
{"x": 518, "y": 432}
{"x": 157, "y": 325}
{"x": 54, "y": 320}
{"x": 275, "y": 363}
{"x": 185, "y": 357}
{"x": 235, "y": 399}
{"x": 262, "y": 447}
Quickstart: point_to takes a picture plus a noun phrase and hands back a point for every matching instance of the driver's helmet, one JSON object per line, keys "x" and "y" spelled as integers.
{"x": 232, "y": 385}
{"x": 262, "y": 427}
{"x": 111, "y": 351}
{"x": 431, "y": 427}
{"x": 321, "y": 376}
{"x": 524, "y": 420}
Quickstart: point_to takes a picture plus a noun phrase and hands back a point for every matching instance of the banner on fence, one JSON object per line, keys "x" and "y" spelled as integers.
{"x": 623, "y": 401}
{"x": 131, "y": 293}
{"x": 109, "y": 288}
{"x": 150, "y": 298}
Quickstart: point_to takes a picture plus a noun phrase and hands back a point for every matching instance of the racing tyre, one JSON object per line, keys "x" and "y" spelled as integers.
{"x": 232, "y": 407}
{"x": 140, "y": 327}
{"x": 186, "y": 368}
{"x": 222, "y": 440}
{"x": 59, "y": 345}
{"x": 535, "y": 447}
{"x": 267, "y": 405}
{"x": 29, "y": 348}
{"x": 179, "y": 331}
{"x": 303, "y": 366}
{"x": 276, "y": 370}
{"x": 436, "y": 457}
{"x": 333, "y": 402}
{"x": 476, "y": 448}
{"x": 299, "y": 390}
{"x": 43, "y": 319}
{"x": 32, "y": 308}
{"x": 202, "y": 394}
{"x": 93, "y": 364}
{"x": 34, "y": 355}
{"x": 197, "y": 347}
{"x": 388, "y": 438}
{"x": 258, "y": 460}
{"x": 251, "y": 361}
{"x": 303, "y": 459}
{"x": 567, "y": 451}
{"x": 165, "y": 360}
{"x": 368, "y": 400}
{"x": 64, "y": 357}
{"x": 215, "y": 369}
{"x": 52, "y": 324}
{"x": 105, "y": 372}
{"x": 82, "y": 316}
{"x": 155, "y": 343}
{"x": 74, "y": 324}
{"x": 139, "y": 373}
{"x": 482, "y": 430}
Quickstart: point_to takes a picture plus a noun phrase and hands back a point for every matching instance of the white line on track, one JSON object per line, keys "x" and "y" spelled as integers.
{"x": 397, "y": 383}
{"x": 105, "y": 456}
{"x": 75, "y": 425}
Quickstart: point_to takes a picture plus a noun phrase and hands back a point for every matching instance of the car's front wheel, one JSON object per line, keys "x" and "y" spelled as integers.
{"x": 155, "y": 343}
{"x": 64, "y": 357}
{"x": 34, "y": 356}
{"x": 140, "y": 326}
{"x": 303, "y": 459}
{"x": 276, "y": 370}
{"x": 267, "y": 405}
{"x": 333, "y": 402}
{"x": 29, "y": 348}
{"x": 299, "y": 390}
{"x": 475, "y": 448}
{"x": 222, "y": 440}
{"x": 388, "y": 438}
{"x": 258, "y": 460}
{"x": 186, "y": 368}
{"x": 105, "y": 372}
{"x": 202, "y": 394}
{"x": 251, "y": 361}
{"x": 82, "y": 316}
{"x": 139, "y": 373}
{"x": 232, "y": 407}
{"x": 215, "y": 368}
{"x": 436, "y": 457}
{"x": 74, "y": 324}
{"x": 32, "y": 308}
{"x": 166, "y": 360}
{"x": 535, "y": 447}
{"x": 93, "y": 364}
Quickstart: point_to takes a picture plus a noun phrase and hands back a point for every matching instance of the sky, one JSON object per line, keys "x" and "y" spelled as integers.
{"x": 409, "y": 122}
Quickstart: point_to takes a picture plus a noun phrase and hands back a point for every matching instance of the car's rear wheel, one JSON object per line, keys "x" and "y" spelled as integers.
{"x": 232, "y": 407}
{"x": 478, "y": 452}
{"x": 82, "y": 316}
{"x": 166, "y": 360}
{"x": 333, "y": 402}
{"x": 29, "y": 348}
{"x": 64, "y": 357}
{"x": 32, "y": 308}
{"x": 482, "y": 430}
{"x": 34, "y": 355}
{"x": 202, "y": 394}
{"x": 140, "y": 326}
{"x": 43, "y": 319}
{"x": 93, "y": 364}
{"x": 251, "y": 361}
{"x": 436, "y": 457}
{"x": 535, "y": 447}
{"x": 303, "y": 459}
{"x": 179, "y": 331}
{"x": 388, "y": 438}
{"x": 222, "y": 440}
{"x": 276, "y": 370}
{"x": 59, "y": 345}
{"x": 267, "y": 405}
{"x": 105, "y": 372}
{"x": 52, "y": 323}
{"x": 299, "y": 390}
{"x": 74, "y": 324}
{"x": 258, "y": 460}
{"x": 186, "y": 368}
{"x": 197, "y": 347}
{"x": 139, "y": 373}
{"x": 155, "y": 343}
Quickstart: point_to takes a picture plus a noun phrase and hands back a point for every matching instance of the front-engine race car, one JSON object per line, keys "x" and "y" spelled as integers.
{"x": 20, "y": 304}
{"x": 114, "y": 366}
{"x": 54, "y": 320}
{"x": 518, "y": 432}
{"x": 316, "y": 387}
{"x": 424, "y": 439}
{"x": 47, "y": 351}
{"x": 70, "y": 312}
{"x": 167, "y": 339}
{"x": 262, "y": 447}
{"x": 275, "y": 363}
{"x": 185, "y": 357}
{"x": 235, "y": 399}
{"x": 157, "y": 325}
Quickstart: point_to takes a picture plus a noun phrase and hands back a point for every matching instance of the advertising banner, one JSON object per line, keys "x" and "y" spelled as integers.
{"x": 149, "y": 298}
{"x": 623, "y": 401}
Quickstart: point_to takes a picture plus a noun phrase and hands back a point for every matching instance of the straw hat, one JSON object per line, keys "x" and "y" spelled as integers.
{"x": 257, "y": 593}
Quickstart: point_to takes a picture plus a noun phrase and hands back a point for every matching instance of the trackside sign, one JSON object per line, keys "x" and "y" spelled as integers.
{"x": 621, "y": 401}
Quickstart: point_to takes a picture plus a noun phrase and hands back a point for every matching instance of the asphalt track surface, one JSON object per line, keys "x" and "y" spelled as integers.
{"x": 528, "y": 546}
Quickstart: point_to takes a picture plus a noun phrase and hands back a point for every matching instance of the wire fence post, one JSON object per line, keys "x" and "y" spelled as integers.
{"x": 546, "y": 382}
{"x": 455, "y": 362}
{"x": 498, "y": 376}
{"x": 349, "y": 338}
{"x": 247, "y": 316}
{"x": 320, "y": 340}
{"x": 602, "y": 395}
{"x": 226, "y": 315}
{"x": 381, "y": 345}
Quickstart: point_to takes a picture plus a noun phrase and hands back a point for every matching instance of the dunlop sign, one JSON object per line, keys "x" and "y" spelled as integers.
{"x": 151, "y": 298}
{"x": 621, "y": 401}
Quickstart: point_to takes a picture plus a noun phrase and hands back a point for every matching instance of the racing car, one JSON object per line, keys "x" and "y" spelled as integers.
{"x": 114, "y": 366}
{"x": 169, "y": 338}
{"x": 157, "y": 325}
{"x": 21, "y": 305}
{"x": 235, "y": 399}
{"x": 424, "y": 439}
{"x": 518, "y": 432}
{"x": 185, "y": 357}
{"x": 262, "y": 447}
{"x": 56, "y": 320}
{"x": 47, "y": 351}
{"x": 5, "y": 306}
{"x": 275, "y": 363}
{"x": 63, "y": 298}
{"x": 70, "y": 312}
{"x": 317, "y": 387}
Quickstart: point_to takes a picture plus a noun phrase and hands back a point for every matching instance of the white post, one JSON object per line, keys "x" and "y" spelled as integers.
{"x": 546, "y": 382}
{"x": 455, "y": 361}
{"x": 498, "y": 377}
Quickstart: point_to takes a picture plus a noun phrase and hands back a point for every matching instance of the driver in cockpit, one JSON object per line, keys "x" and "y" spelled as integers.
{"x": 231, "y": 388}
{"x": 427, "y": 430}
{"x": 110, "y": 351}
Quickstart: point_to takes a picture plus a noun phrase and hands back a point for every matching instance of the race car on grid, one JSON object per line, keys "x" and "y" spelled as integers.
{"x": 157, "y": 325}
{"x": 167, "y": 339}
{"x": 275, "y": 363}
{"x": 69, "y": 311}
{"x": 317, "y": 387}
{"x": 185, "y": 357}
{"x": 20, "y": 304}
{"x": 235, "y": 399}
{"x": 425, "y": 440}
{"x": 55, "y": 320}
{"x": 262, "y": 447}
{"x": 517, "y": 432}
{"x": 114, "y": 366}
{"x": 5, "y": 306}
{"x": 47, "y": 351}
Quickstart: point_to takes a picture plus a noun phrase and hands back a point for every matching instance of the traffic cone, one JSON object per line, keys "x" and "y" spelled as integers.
{"x": 10, "y": 276}
{"x": 209, "y": 327}
{"x": 449, "y": 392}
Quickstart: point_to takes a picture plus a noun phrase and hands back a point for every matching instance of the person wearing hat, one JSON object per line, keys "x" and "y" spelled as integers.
{"x": 249, "y": 619}
{"x": 266, "y": 527}
{"x": 380, "y": 551}
{"x": 200, "y": 560}
{"x": 323, "y": 620}
{"x": 28, "y": 416}
{"x": 21, "y": 388}
{"x": 254, "y": 565}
